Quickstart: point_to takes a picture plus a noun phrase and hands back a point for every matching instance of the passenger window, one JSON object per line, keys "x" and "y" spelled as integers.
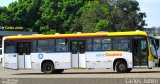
{"x": 74, "y": 48}
{"x": 46, "y": 45}
{"x": 61, "y": 45}
{"x": 106, "y": 44}
{"x": 102, "y": 43}
{"x": 82, "y": 47}
{"x": 121, "y": 43}
{"x": 89, "y": 44}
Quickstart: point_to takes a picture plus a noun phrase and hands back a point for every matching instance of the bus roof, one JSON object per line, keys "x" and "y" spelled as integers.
{"x": 78, "y": 35}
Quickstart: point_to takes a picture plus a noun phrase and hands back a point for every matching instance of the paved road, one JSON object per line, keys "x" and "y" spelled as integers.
{"x": 93, "y": 76}
{"x": 94, "y": 73}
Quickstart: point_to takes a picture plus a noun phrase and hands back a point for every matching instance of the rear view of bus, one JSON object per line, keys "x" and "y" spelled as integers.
{"x": 121, "y": 51}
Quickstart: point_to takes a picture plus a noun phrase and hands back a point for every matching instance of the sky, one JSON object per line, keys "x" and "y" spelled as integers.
{"x": 6, "y": 2}
{"x": 150, "y": 7}
{"x": 152, "y": 10}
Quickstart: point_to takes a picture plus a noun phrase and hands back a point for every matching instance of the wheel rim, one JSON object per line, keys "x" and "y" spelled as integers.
{"x": 48, "y": 68}
{"x": 122, "y": 67}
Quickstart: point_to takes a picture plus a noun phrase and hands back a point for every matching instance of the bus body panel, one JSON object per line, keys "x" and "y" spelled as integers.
{"x": 78, "y": 60}
{"x": 28, "y": 61}
{"x": 106, "y": 59}
{"x": 93, "y": 60}
{"x": 82, "y": 61}
{"x": 75, "y": 59}
{"x": 11, "y": 61}
{"x": 24, "y": 61}
{"x": 60, "y": 60}
{"x": 151, "y": 64}
{"x": 21, "y": 62}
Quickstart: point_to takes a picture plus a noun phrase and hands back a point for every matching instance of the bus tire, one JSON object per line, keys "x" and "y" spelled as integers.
{"x": 58, "y": 71}
{"x": 48, "y": 68}
{"x": 121, "y": 67}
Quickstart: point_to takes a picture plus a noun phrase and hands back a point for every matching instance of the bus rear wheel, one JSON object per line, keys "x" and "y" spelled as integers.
{"x": 48, "y": 68}
{"x": 121, "y": 67}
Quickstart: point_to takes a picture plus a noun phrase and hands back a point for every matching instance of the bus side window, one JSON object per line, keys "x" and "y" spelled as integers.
{"x": 74, "y": 48}
{"x": 89, "y": 44}
{"x": 61, "y": 45}
{"x": 81, "y": 47}
{"x": 9, "y": 47}
{"x": 121, "y": 43}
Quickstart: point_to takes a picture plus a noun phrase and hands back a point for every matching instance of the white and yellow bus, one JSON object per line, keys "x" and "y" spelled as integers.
{"x": 121, "y": 51}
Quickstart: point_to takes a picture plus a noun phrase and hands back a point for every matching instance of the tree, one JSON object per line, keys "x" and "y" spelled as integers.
{"x": 91, "y": 14}
{"x": 59, "y": 15}
{"x": 102, "y": 25}
{"x": 125, "y": 15}
{"x": 25, "y": 13}
{"x": 67, "y": 16}
{"x": 4, "y": 17}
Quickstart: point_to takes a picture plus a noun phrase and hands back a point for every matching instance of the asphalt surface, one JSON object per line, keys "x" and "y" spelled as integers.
{"x": 79, "y": 76}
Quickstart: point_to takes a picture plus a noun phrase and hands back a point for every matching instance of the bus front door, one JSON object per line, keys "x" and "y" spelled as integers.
{"x": 23, "y": 50}
{"x": 78, "y": 54}
{"x": 140, "y": 52}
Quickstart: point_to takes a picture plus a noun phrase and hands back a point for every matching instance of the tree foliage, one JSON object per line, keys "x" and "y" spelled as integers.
{"x": 67, "y": 16}
{"x": 4, "y": 16}
{"x": 125, "y": 15}
{"x": 92, "y": 14}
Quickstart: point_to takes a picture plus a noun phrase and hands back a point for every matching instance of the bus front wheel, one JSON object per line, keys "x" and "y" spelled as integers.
{"x": 48, "y": 68}
{"x": 121, "y": 67}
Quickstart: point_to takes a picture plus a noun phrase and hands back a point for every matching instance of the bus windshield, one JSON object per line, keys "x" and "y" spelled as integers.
{"x": 153, "y": 48}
